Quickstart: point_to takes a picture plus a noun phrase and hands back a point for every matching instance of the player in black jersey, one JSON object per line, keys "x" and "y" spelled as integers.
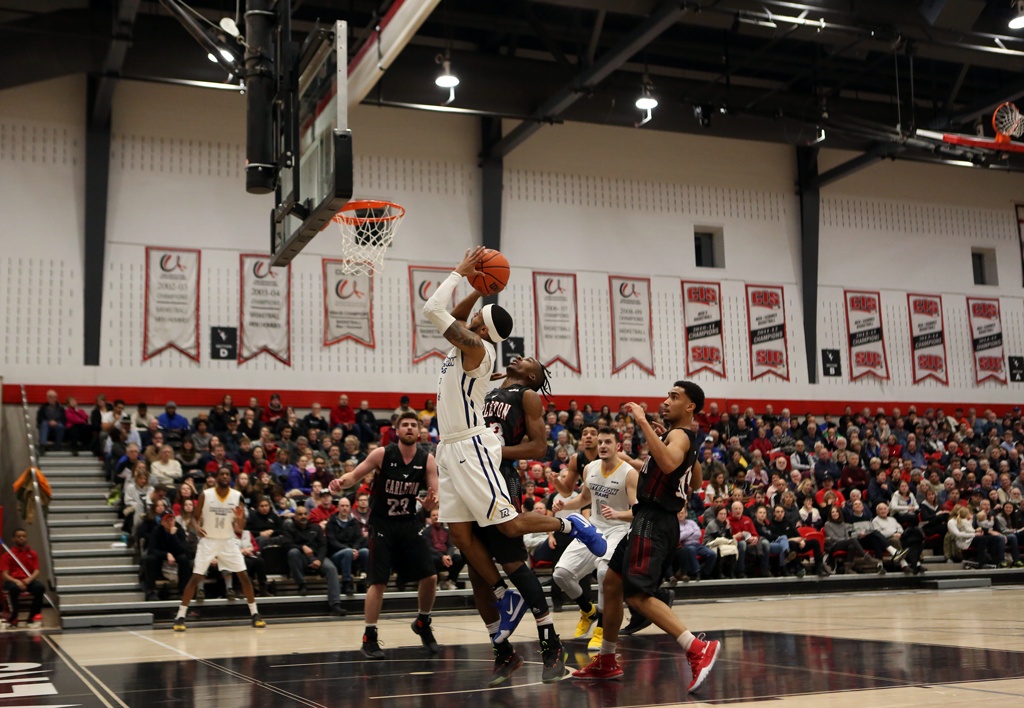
{"x": 666, "y": 480}
{"x": 514, "y": 413}
{"x": 396, "y": 541}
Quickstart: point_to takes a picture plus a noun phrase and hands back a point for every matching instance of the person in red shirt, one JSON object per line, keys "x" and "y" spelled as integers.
{"x": 762, "y": 442}
{"x": 323, "y": 511}
{"x": 826, "y": 487}
{"x": 220, "y": 459}
{"x": 342, "y": 415}
{"x": 16, "y": 580}
{"x": 953, "y": 500}
{"x": 743, "y": 531}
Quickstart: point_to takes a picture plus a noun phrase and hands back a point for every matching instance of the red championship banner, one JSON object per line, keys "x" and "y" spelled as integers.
{"x": 265, "y": 318}
{"x": 348, "y": 305}
{"x": 865, "y": 338}
{"x": 426, "y": 340}
{"x": 172, "y": 302}
{"x": 986, "y": 323}
{"x": 927, "y": 338}
{"x": 556, "y": 319}
{"x": 766, "y": 323}
{"x": 702, "y": 317}
{"x": 632, "y": 330}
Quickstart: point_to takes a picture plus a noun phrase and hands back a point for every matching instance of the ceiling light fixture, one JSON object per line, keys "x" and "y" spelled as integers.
{"x": 1018, "y": 21}
{"x": 446, "y": 79}
{"x": 646, "y": 102}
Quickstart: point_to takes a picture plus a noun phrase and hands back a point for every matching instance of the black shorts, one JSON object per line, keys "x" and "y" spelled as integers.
{"x": 502, "y": 548}
{"x": 641, "y": 556}
{"x": 400, "y": 547}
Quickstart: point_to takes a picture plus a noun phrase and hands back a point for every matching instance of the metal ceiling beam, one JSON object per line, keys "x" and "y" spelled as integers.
{"x": 121, "y": 40}
{"x": 666, "y": 15}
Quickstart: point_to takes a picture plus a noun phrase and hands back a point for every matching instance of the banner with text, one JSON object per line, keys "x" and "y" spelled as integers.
{"x": 927, "y": 338}
{"x": 556, "y": 319}
{"x": 865, "y": 338}
{"x": 702, "y": 317}
{"x": 766, "y": 323}
{"x": 426, "y": 340}
{"x": 348, "y": 305}
{"x": 632, "y": 330}
{"x": 172, "y": 302}
{"x": 986, "y": 339}
{"x": 265, "y": 321}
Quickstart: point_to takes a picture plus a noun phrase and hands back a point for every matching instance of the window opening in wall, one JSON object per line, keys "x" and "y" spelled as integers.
{"x": 709, "y": 247}
{"x": 983, "y": 264}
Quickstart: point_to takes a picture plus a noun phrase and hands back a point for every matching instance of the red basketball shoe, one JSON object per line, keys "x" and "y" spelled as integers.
{"x": 604, "y": 666}
{"x": 702, "y": 658}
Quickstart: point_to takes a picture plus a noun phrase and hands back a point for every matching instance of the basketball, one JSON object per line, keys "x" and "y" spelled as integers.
{"x": 493, "y": 274}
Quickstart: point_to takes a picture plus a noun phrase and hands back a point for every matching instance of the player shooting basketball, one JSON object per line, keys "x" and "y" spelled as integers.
{"x": 469, "y": 454}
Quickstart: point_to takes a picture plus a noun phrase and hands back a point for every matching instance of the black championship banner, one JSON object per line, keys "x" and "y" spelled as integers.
{"x": 556, "y": 319}
{"x": 348, "y": 305}
{"x": 172, "y": 302}
{"x": 632, "y": 331}
{"x": 865, "y": 338}
{"x": 766, "y": 324}
{"x": 702, "y": 317}
{"x": 927, "y": 338}
{"x": 426, "y": 340}
{"x": 986, "y": 339}
{"x": 265, "y": 320}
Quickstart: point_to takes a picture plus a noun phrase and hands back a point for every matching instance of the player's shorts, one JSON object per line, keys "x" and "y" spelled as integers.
{"x": 399, "y": 546}
{"x": 580, "y": 562}
{"x": 641, "y": 556}
{"x": 227, "y": 552}
{"x": 502, "y": 548}
{"x": 470, "y": 486}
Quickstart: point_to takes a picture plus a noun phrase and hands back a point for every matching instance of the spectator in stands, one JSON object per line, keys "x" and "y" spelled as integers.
{"x": 346, "y": 544}
{"x": 853, "y": 475}
{"x": 771, "y": 543}
{"x": 801, "y": 460}
{"x": 762, "y": 442}
{"x": 152, "y": 451}
{"x": 825, "y": 466}
{"x": 249, "y": 426}
{"x": 953, "y": 500}
{"x": 903, "y": 544}
{"x": 78, "y": 431}
{"x": 142, "y": 419}
{"x": 342, "y": 416}
{"x": 840, "y": 536}
{"x": 307, "y": 555}
{"x": 965, "y": 536}
{"x": 904, "y": 506}
{"x": 265, "y": 525}
{"x": 19, "y": 570}
{"x": 220, "y": 460}
{"x": 52, "y": 423}
{"x": 296, "y": 481}
{"x": 428, "y": 413}
{"x": 255, "y": 566}
{"x": 168, "y": 545}
{"x": 718, "y": 536}
{"x": 782, "y": 528}
{"x": 315, "y": 420}
{"x": 170, "y": 421}
{"x": 189, "y": 458}
{"x": 1010, "y": 523}
{"x": 274, "y": 411}
{"x": 129, "y": 435}
{"x": 819, "y": 497}
{"x": 444, "y": 553}
{"x": 166, "y": 470}
{"x": 324, "y": 509}
{"x": 124, "y": 466}
{"x": 692, "y": 559}
{"x": 745, "y": 535}
{"x": 366, "y": 423}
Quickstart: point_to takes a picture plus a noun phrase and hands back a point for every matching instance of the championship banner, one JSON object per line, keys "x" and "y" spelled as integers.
{"x": 702, "y": 316}
{"x": 865, "y": 338}
{"x": 986, "y": 339}
{"x": 1020, "y": 232}
{"x": 766, "y": 323}
{"x": 556, "y": 319}
{"x": 632, "y": 330}
{"x": 348, "y": 305}
{"x": 927, "y": 338}
{"x": 426, "y": 340}
{"x": 172, "y": 302}
{"x": 265, "y": 319}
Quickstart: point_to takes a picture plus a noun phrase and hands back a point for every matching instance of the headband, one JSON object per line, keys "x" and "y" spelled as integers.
{"x": 495, "y": 336}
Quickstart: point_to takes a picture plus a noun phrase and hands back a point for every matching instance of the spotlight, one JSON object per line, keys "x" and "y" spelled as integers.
{"x": 646, "y": 102}
{"x": 446, "y": 79}
{"x": 229, "y": 26}
{"x": 228, "y": 56}
{"x": 1018, "y": 21}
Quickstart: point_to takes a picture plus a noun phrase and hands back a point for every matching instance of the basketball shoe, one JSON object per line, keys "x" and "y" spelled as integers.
{"x": 371, "y": 647}
{"x": 604, "y": 666}
{"x": 426, "y": 634}
{"x": 506, "y": 660}
{"x": 586, "y": 620}
{"x": 511, "y": 608}
{"x": 702, "y": 657}
{"x": 553, "y": 656}
{"x": 595, "y": 642}
{"x": 179, "y": 624}
{"x": 588, "y": 534}
{"x": 258, "y": 622}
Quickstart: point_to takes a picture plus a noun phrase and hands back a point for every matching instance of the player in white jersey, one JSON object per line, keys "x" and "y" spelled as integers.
{"x": 219, "y": 512}
{"x": 470, "y": 486}
{"x": 609, "y": 488}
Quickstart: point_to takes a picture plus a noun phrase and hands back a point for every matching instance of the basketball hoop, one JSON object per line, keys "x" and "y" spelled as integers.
{"x": 367, "y": 228}
{"x": 1008, "y": 123}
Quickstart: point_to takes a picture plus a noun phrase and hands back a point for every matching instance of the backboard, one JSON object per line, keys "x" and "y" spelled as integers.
{"x": 313, "y": 143}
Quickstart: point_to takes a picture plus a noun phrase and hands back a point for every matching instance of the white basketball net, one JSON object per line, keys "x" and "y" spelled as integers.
{"x": 1008, "y": 121}
{"x": 367, "y": 229}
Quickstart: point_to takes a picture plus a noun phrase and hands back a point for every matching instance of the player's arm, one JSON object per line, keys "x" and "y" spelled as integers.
{"x": 469, "y": 343}
{"x": 566, "y": 481}
{"x": 430, "y": 503}
{"x": 577, "y": 502}
{"x": 696, "y": 476}
{"x": 197, "y": 515}
{"x": 632, "y": 480}
{"x": 634, "y": 463}
{"x": 372, "y": 462}
{"x": 239, "y": 522}
{"x": 533, "y": 446}
{"x": 670, "y": 453}
{"x": 464, "y": 309}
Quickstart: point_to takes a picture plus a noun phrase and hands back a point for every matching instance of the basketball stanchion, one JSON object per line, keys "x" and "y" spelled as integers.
{"x": 368, "y": 228}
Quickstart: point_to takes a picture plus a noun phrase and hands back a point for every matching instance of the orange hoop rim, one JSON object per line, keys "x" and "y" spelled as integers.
{"x": 1001, "y": 137}
{"x": 357, "y": 204}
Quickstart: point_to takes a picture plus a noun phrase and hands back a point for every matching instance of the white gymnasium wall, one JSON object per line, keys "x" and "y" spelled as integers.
{"x": 586, "y": 199}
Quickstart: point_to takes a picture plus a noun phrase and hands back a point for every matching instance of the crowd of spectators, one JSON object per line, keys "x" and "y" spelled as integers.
{"x": 836, "y": 491}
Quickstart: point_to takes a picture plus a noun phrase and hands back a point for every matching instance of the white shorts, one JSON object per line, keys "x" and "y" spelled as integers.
{"x": 469, "y": 485}
{"x": 227, "y": 552}
{"x": 580, "y": 562}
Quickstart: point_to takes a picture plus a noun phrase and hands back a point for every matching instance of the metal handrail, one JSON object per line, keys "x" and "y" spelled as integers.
{"x": 45, "y": 552}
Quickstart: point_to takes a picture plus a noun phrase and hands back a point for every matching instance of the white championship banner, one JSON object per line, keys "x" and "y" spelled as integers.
{"x": 986, "y": 339}
{"x": 556, "y": 319}
{"x": 426, "y": 340}
{"x": 766, "y": 324}
{"x": 927, "y": 338}
{"x": 265, "y": 320}
{"x": 632, "y": 330}
{"x": 348, "y": 305}
{"x": 702, "y": 318}
{"x": 172, "y": 302}
{"x": 866, "y": 340}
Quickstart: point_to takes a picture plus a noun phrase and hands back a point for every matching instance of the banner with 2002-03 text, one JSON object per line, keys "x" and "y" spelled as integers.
{"x": 927, "y": 338}
{"x": 865, "y": 336}
{"x": 556, "y": 319}
{"x": 702, "y": 319}
{"x": 766, "y": 323}
{"x": 632, "y": 330}
{"x": 348, "y": 305}
{"x": 171, "y": 319}
{"x": 986, "y": 324}
{"x": 265, "y": 318}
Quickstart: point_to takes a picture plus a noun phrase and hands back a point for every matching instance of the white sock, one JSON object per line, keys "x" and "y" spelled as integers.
{"x": 499, "y": 592}
{"x": 493, "y": 627}
{"x": 546, "y": 619}
{"x": 566, "y": 525}
{"x": 904, "y": 564}
{"x": 607, "y": 647}
{"x": 182, "y": 611}
{"x": 252, "y": 608}
{"x": 371, "y": 626}
{"x": 686, "y": 640}
{"x": 892, "y": 550}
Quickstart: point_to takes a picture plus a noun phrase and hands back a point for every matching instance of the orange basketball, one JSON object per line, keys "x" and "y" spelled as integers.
{"x": 493, "y": 274}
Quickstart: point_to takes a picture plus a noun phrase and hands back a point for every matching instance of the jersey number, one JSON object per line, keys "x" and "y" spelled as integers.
{"x": 220, "y": 522}
{"x": 398, "y": 507}
{"x": 496, "y": 429}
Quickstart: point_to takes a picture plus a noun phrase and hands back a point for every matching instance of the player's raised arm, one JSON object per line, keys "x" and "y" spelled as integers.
{"x": 372, "y": 462}
{"x": 468, "y": 342}
{"x": 533, "y": 446}
{"x": 565, "y": 482}
{"x": 696, "y": 477}
{"x": 197, "y": 514}
{"x": 669, "y": 453}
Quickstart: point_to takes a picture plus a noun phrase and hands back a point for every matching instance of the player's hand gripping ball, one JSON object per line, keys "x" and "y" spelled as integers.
{"x": 492, "y": 273}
